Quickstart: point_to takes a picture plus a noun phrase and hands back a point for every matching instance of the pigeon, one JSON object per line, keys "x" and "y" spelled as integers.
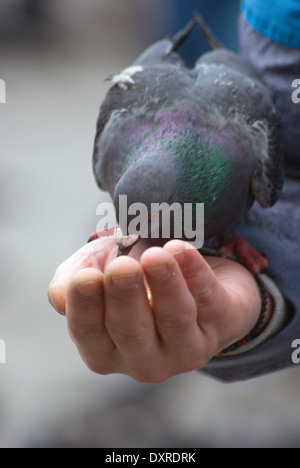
{"x": 209, "y": 134}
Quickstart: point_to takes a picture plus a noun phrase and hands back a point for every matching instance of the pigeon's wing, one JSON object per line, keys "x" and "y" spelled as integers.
{"x": 267, "y": 178}
{"x": 157, "y": 55}
{"x": 137, "y": 93}
{"x": 245, "y": 105}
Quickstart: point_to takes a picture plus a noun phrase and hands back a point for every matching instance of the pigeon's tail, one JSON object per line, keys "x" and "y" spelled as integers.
{"x": 212, "y": 41}
{"x": 181, "y": 36}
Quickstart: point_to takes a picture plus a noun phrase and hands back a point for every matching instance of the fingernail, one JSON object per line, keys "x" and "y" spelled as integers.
{"x": 51, "y": 300}
{"x": 125, "y": 281}
{"x": 179, "y": 255}
{"x": 89, "y": 288}
{"x": 158, "y": 273}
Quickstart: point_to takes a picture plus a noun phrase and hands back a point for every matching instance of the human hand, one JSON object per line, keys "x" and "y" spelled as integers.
{"x": 200, "y": 306}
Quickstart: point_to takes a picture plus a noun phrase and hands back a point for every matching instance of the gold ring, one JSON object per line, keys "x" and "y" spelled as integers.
{"x": 149, "y": 296}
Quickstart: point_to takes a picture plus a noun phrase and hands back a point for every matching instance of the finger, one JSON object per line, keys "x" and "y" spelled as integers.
{"x": 209, "y": 295}
{"x": 219, "y": 289}
{"x": 57, "y": 296}
{"x": 199, "y": 277}
{"x": 92, "y": 255}
{"x": 173, "y": 304}
{"x": 129, "y": 319}
{"x": 85, "y": 316}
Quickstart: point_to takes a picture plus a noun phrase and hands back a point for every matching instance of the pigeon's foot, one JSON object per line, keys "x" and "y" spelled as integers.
{"x": 238, "y": 247}
{"x": 106, "y": 233}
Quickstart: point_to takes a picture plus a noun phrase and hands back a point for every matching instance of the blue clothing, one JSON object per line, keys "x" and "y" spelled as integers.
{"x": 277, "y": 19}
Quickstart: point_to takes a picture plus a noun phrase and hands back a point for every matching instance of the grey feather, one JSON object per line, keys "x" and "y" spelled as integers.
{"x": 226, "y": 97}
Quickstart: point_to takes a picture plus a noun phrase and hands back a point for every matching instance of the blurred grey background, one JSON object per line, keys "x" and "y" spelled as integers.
{"x": 54, "y": 56}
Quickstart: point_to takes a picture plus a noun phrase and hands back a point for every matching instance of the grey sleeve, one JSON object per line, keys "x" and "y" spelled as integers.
{"x": 274, "y": 232}
{"x": 275, "y": 353}
{"x": 277, "y": 66}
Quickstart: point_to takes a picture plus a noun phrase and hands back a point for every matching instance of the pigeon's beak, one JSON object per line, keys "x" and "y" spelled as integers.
{"x": 125, "y": 243}
{"x": 124, "y": 248}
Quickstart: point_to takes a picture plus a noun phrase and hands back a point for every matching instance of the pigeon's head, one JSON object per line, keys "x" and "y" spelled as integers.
{"x": 145, "y": 189}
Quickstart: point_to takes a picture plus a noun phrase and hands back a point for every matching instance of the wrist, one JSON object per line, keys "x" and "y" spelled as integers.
{"x": 266, "y": 309}
{"x": 247, "y": 306}
{"x": 269, "y": 308}
{"x": 277, "y": 316}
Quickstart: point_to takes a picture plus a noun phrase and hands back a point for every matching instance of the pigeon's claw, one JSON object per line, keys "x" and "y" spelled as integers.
{"x": 238, "y": 247}
{"x": 93, "y": 237}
